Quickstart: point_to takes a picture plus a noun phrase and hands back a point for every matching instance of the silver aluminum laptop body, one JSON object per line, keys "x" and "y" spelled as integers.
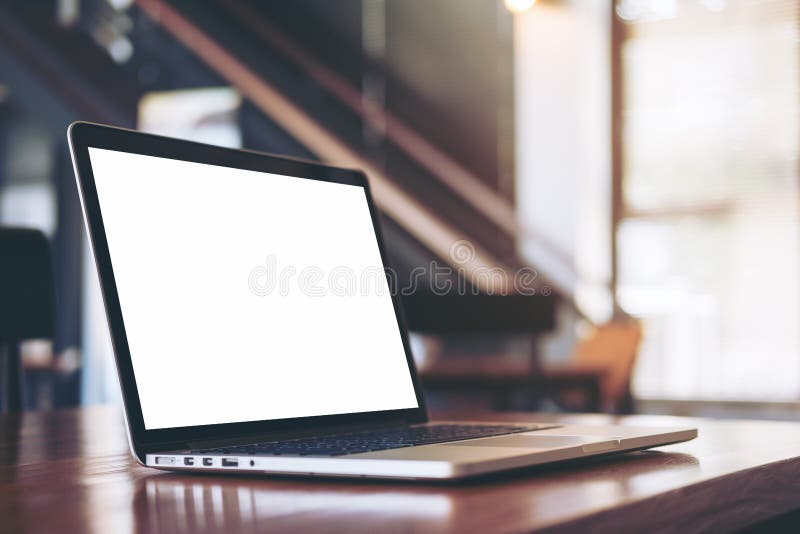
{"x": 442, "y": 461}
{"x": 198, "y": 346}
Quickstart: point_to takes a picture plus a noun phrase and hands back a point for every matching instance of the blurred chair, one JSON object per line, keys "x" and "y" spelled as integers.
{"x": 596, "y": 378}
{"x": 529, "y": 315}
{"x": 481, "y": 316}
{"x": 26, "y": 303}
{"x": 609, "y": 350}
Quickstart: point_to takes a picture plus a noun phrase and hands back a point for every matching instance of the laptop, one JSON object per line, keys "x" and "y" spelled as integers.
{"x": 255, "y": 330}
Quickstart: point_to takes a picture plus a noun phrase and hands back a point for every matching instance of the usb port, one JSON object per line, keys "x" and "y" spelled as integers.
{"x": 230, "y": 462}
{"x": 188, "y": 461}
{"x": 208, "y": 461}
{"x": 165, "y": 460}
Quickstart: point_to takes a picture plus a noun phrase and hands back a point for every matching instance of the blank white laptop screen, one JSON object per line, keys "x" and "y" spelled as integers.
{"x": 248, "y": 296}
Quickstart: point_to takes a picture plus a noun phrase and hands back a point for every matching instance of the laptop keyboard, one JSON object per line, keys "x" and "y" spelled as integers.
{"x": 356, "y": 442}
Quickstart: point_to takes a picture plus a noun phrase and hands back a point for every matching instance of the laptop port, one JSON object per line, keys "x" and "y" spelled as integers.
{"x": 188, "y": 461}
{"x": 165, "y": 460}
{"x": 208, "y": 461}
{"x": 230, "y": 462}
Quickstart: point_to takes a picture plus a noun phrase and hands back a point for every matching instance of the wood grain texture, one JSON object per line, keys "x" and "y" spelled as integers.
{"x": 70, "y": 471}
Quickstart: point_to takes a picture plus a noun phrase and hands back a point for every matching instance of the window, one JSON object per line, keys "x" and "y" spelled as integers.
{"x": 709, "y": 230}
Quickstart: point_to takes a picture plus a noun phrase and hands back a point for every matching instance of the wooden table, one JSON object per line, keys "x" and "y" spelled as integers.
{"x": 70, "y": 471}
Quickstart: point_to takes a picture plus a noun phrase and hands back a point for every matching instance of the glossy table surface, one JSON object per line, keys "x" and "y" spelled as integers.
{"x": 70, "y": 471}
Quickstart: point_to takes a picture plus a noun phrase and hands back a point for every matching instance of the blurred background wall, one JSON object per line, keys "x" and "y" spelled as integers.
{"x": 639, "y": 156}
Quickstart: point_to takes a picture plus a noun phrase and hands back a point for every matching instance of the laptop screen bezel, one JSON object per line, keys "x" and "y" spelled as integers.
{"x": 83, "y": 136}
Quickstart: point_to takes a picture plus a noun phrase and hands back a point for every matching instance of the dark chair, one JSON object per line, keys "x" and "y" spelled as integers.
{"x": 480, "y": 314}
{"x": 483, "y": 315}
{"x": 26, "y": 303}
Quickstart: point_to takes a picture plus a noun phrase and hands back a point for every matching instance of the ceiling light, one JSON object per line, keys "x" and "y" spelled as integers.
{"x": 518, "y": 6}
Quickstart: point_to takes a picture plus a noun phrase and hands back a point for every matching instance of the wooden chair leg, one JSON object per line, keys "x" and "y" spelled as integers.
{"x": 627, "y": 405}
{"x": 594, "y": 397}
{"x": 13, "y": 377}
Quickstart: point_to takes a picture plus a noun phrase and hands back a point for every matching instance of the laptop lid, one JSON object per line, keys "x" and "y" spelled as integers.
{"x": 246, "y": 294}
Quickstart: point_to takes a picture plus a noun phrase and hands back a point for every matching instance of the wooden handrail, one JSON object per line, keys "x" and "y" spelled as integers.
{"x": 459, "y": 180}
{"x": 426, "y": 227}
